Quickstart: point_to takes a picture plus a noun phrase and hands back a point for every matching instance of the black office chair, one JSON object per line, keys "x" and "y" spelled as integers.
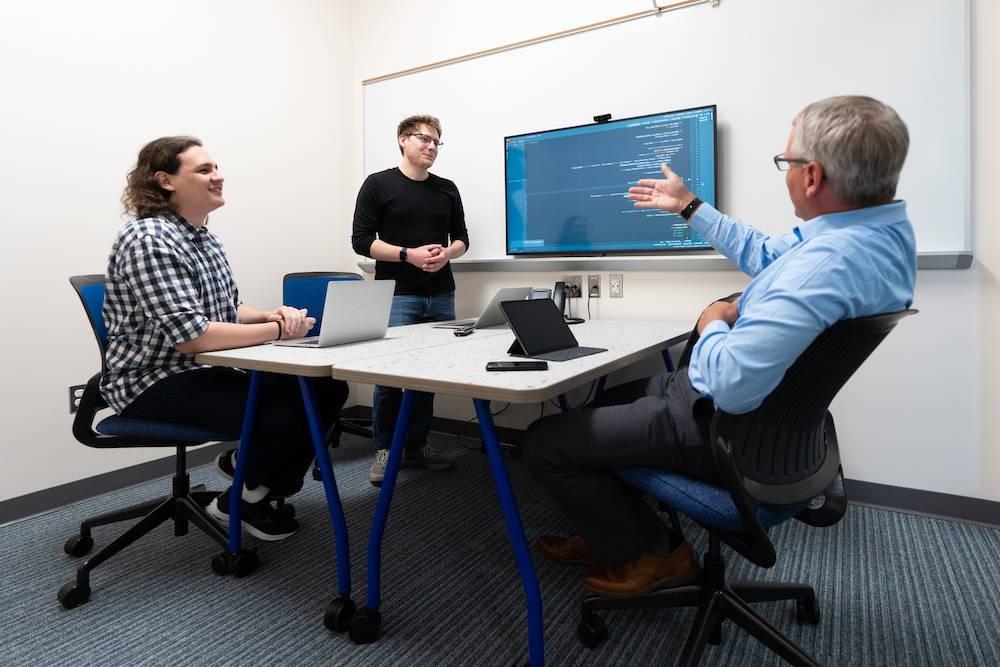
{"x": 184, "y": 504}
{"x": 777, "y": 462}
{"x": 308, "y": 290}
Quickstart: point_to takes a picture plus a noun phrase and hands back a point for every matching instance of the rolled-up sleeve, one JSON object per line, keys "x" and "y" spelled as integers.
{"x": 165, "y": 289}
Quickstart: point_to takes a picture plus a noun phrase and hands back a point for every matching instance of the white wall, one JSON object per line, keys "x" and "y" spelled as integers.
{"x": 84, "y": 85}
{"x": 274, "y": 90}
{"x": 919, "y": 414}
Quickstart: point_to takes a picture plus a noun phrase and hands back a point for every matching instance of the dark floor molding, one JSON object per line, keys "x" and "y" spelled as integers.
{"x": 67, "y": 494}
{"x": 930, "y": 503}
{"x": 880, "y": 495}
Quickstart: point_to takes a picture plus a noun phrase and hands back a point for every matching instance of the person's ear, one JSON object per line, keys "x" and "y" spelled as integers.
{"x": 163, "y": 180}
{"x": 401, "y": 139}
{"x": 814, "y": 178}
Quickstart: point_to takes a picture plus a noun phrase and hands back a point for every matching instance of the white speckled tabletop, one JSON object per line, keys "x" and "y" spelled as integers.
{"x": 460, "y": 369}
{"x": 421, "y": 357}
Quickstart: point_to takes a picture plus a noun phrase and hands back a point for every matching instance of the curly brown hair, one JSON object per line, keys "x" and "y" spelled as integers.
{"x": 143, "y": 197}
{"x": 413, "y": 123}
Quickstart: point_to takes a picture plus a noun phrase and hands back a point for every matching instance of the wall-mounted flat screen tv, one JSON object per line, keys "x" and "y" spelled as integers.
{"x": 566, "y": 187}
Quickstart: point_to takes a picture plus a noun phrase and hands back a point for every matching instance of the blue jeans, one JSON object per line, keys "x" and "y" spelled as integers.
{"x": 409, "y": 309}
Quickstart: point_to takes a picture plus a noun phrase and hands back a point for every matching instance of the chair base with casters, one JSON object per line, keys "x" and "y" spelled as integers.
{"x": 717, "y": 600}
{"x": 184, "y": 505}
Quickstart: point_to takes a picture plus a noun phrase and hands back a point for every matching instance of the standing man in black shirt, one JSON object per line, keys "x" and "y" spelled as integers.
{"x": 419, "y": 223}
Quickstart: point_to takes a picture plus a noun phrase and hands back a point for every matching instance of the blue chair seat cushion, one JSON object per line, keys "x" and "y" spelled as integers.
{"x": 707, "y": 504}
{"x": 154, "y": 430}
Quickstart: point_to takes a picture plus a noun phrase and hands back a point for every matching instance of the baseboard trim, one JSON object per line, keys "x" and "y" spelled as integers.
{"x": 928, "y": 503}
{"x": 47, "y": 500}
{"x": 897, "y": 498}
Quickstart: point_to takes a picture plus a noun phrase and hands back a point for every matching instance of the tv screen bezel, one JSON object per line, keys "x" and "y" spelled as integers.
{"x": 598, "y": 252}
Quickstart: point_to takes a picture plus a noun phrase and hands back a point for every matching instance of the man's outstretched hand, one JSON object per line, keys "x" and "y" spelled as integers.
{"x": 667, "y": 194}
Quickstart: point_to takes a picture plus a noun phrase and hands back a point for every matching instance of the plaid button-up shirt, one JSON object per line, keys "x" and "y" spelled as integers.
{"x": 166, "y": 281}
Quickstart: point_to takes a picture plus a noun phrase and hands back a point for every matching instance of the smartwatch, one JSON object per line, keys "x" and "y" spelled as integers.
{"x": 402, "y": 254}
{"x": 691, "y": 208}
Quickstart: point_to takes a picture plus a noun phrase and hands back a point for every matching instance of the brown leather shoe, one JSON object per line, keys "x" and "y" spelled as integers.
{"x": 571, "y": 550}
{"x": 644, "y": 573}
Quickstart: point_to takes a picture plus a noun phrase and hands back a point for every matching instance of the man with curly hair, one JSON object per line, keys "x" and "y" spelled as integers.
{"x": 170, "y": 295}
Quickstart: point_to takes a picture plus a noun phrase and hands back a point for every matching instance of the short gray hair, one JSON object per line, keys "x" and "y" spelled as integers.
{"x": 860, "y": 142}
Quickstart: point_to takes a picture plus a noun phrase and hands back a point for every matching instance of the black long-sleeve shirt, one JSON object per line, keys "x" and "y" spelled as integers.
{"x": 409, "y": 213}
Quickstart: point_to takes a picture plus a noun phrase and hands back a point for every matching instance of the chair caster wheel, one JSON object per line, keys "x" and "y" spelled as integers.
{"x": 240, "y": 565}
{"x": 339, "y": 613}
{"x": 592, "y": 631}
{"x": 365, "y": 625}
{"x": 807, "y": 610}
{"x": 377, "y": 485}
{"x": 317, "y": 475}
{"x": 78, "y": 545}
{"x": 74, "y": 594}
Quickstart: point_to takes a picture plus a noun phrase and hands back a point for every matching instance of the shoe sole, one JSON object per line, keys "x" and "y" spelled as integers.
{"x": 669, "y": 582}
{"x": 223, "y": 518}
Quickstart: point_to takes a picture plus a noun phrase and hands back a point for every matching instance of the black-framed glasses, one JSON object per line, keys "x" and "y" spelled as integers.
{"x": 427, "y": 139}
{"x": 785, "y": 163}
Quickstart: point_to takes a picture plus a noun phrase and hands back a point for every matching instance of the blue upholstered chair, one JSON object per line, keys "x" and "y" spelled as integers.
{"x": 183, "y": 505}
{"x": 777, "y": 462}
{"x": 308, "y": 290}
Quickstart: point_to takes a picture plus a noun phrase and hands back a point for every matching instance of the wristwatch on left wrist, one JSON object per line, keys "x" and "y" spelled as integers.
{"x": 402, "y": 254}
{"x": 689, "y": 210}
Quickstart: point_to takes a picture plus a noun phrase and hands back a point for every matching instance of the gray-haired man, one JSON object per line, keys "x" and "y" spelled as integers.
{"x": 854, "y": 255}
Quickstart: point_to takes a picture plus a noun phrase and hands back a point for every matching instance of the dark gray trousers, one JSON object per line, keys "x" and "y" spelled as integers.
{"x": 643, "y": 423}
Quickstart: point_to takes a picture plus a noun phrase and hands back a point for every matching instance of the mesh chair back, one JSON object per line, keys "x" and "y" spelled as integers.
{"x": 308, "y": 290}
{"x": 784, "y": 449}
{"x": 90, "y": 289}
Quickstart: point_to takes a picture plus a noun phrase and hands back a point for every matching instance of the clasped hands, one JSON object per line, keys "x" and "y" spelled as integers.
{"x": 430, "y": 258}
{"x": 295, "y": 322}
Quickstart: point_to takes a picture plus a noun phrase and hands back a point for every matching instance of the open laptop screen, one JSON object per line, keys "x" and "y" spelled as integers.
{"x": 539, "y": 326}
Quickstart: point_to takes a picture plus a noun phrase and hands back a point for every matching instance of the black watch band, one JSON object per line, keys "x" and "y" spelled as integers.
{"x": 402, "y": 254}
{"x": 691, "y": 208}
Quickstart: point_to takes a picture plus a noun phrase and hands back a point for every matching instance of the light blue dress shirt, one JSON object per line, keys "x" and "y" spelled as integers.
{"x": 832, "y": 267}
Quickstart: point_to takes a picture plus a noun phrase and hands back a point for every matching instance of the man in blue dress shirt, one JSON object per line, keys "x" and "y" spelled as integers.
{"x": 853, "y": 255}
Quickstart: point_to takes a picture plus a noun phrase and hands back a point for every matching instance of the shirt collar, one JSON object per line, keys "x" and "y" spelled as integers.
{"x": 883, "y": 214}
{"x": 190, "y": 232}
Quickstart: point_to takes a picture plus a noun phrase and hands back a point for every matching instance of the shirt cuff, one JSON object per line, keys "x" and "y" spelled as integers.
{"x": 704, "y": 218}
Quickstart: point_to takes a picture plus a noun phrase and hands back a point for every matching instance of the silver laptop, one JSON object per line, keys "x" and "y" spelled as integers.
{"x": 354, "y": 310}
{"x": 491, "y": 316}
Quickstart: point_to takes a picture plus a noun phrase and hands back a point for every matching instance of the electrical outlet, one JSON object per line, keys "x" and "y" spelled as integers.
{"x": 615, "y": 289}
{"x": 574, "y": 286}
{"x": 594, "y": 286}
{"x": 75, "y": 394}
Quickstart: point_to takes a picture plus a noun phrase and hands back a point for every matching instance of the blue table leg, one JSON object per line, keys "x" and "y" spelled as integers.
{"x": 330, "y": 487}
{"x": 340, "y": 610}
{"x": 366, "y": 622}
{"x": 563, "y": 405}
{"x": 515, "y": 532}
{"x": 235, "y": 531}
{"x": 600, "y": 386}
{"x": 667, "y": 361}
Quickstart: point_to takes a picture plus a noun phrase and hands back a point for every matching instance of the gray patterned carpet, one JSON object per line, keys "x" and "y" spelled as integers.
{"x": 895, "y": 589}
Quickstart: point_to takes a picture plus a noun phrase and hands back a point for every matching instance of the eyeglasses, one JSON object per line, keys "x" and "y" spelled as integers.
{"x": 784, "y": 163}
{"x": 427, "y": 139}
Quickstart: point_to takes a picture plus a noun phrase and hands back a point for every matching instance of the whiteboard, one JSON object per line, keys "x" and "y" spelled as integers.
{"x": 760, "y": 61}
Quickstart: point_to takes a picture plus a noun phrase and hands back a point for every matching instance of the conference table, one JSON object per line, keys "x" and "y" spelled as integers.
{"x": 421, "y": 358}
